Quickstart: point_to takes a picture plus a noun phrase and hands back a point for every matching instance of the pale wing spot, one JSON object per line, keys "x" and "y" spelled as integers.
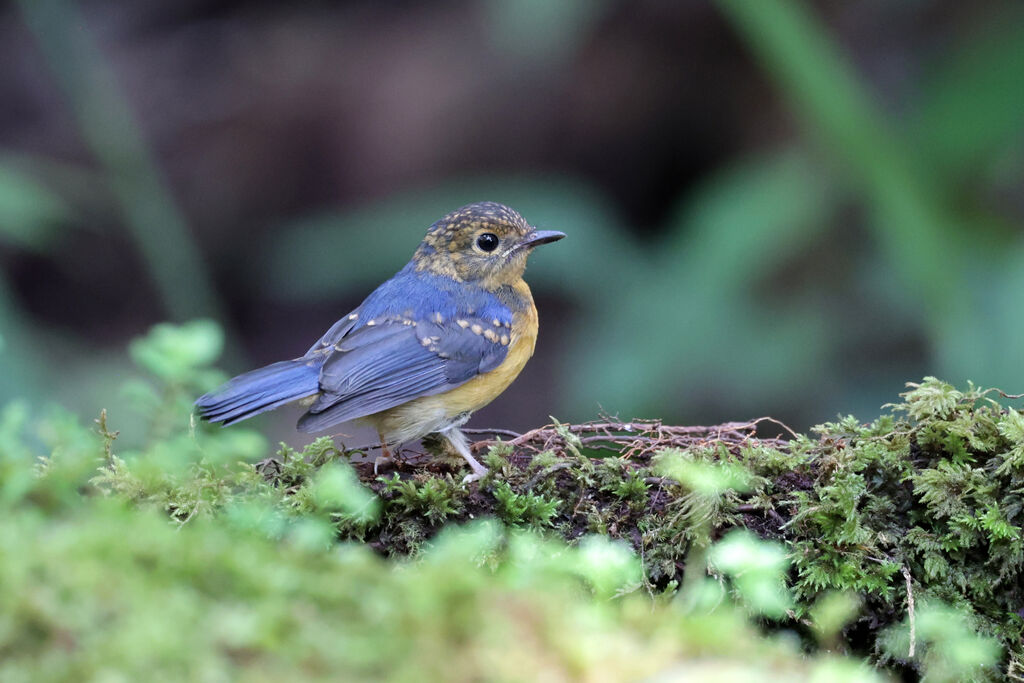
{"x": 476, "y": 329}
{"x": 438, "y": 318}
{"x": 491, "y": 335}
{"x": 426, "y": 341}
{"x": 353, "y": 316}
{"x": 504, "y": 340}
{"x": 371, "y": 323}
{"x": 496, "y": 322}
{"x": 462, "y": 323}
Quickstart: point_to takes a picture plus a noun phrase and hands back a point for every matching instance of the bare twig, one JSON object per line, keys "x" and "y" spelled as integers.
{"x": 637, "y": 438}
{"x": 910, "y": 609}
{"x": 777, "y": 422}
{"x": 494, "y": 432}
{"x": 545, "y": 473}
{"x": 108, "y": 437}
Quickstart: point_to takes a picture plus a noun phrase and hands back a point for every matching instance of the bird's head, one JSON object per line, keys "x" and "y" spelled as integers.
{"x": 486, "y": 243}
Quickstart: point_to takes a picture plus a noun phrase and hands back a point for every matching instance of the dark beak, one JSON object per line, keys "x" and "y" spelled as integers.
{"x": 538, "y": 237}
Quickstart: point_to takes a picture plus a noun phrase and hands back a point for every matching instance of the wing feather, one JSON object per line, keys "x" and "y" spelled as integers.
{"x": 373, "y": 368}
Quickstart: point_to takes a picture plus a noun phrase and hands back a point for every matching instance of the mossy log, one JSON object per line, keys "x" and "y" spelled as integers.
{"x": 925, "y": 503}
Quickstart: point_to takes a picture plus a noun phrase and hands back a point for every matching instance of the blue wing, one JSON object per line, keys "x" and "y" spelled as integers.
{"x": 425, "y": 338}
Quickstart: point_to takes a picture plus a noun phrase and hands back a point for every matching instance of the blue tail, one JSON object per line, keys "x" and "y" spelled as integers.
{"x": 260, "y": 390}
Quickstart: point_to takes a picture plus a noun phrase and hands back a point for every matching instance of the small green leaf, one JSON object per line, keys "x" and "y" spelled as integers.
{"x": 757, "y": 569}
{"x": 172, "y": 351}
{"x": 704, "y": 477}
{"x": 336, "y": 487}
{"x": 832, "y": 611}
{"x": 608, "y": 565}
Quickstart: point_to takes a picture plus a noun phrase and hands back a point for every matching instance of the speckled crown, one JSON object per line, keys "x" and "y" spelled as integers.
{"x": 477, "y": 216}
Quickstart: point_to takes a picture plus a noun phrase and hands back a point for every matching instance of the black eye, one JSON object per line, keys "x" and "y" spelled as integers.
{"x": 487, "y": 241}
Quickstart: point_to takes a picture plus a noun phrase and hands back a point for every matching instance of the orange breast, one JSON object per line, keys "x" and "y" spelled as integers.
{"x": 482, "y": 389}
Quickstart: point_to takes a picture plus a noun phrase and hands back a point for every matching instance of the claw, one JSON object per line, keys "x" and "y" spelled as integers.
{"x": 382, "y": 460}
{"x": 459, "y": 442}
{"x": 385, "y": 457}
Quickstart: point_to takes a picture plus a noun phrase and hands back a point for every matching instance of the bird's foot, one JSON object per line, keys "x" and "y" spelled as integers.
{"x": 459, "y": 442}
{"x": 479, "y": 472}
{"x": 385, "y": 458}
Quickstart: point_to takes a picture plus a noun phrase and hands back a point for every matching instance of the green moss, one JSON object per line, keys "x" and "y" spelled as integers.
{"x": 523, "y": 509}
{"x": 434, "y": 498}
{"x": 932, "y": 489}
{"x": 930, "y": 493}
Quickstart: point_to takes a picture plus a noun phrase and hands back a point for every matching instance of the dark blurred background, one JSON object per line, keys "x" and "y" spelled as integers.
{"x": 782, "y": 208}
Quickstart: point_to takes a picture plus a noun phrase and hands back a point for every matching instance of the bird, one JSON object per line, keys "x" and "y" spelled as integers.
{"x": 439, "y": 340}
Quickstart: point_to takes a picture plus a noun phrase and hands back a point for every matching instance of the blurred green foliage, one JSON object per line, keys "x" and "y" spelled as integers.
{"x": 753, "y": 294}
{"x": 246, "y": 581}
{"x": 954, "y": 652}
{"x": 180, "y": 558}
{"x": 109, "y": 128}
{"x": 29, "y": 211}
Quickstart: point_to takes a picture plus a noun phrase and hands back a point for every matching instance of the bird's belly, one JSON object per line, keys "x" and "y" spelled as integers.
{"x": 427, "y": 414}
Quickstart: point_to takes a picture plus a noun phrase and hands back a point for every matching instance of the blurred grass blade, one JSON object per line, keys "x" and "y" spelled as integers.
{"x": 973, "y": 106}
{"x": 111, "y": 132}
{"x": 728, "y": 238}
{"x": 740, "y": 224}
{"x": 944, "y": 255}
{"x": 20, "y": 359}
{"x": 912, "y": 225}
{"x": 29, "y": 211}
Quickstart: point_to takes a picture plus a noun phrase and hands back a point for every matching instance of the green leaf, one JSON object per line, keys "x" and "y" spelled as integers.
{"x": 707, "y": 478}
{"x": 607, "y": 564}
{"x": 757, "y": 568}
{"x": 171, "y": 352}
{"x": 948, "y": 646}
{"x": 832, "y": 611}
{"x": 336, "y": 487}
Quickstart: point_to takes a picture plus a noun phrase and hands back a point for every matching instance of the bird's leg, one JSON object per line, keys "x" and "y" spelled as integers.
{"x": 460, "y": 443}
{"x": 385, "y": 456}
